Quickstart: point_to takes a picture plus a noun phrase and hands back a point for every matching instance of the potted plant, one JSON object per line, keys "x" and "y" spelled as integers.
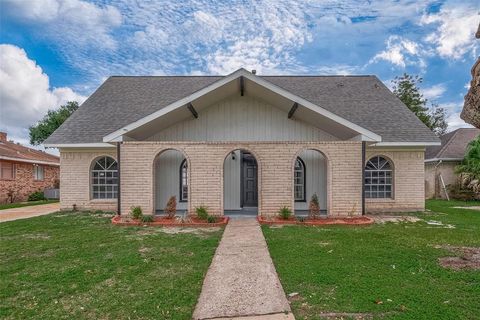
{"x": 171, "y": 208}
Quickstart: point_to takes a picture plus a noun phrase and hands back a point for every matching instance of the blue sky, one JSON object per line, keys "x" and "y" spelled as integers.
{"x": 57, "y": 50}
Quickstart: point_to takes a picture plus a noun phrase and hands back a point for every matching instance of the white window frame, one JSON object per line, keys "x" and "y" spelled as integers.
{"x": 13, "y": 172}
{"x": 38, "y": 172}
{"x": 102, "y": 187}
{"x": 300, "y": 181}
{"x": 379, "y": 178}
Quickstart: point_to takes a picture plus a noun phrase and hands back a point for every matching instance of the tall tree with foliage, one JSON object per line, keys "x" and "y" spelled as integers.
{"x": 50, "y": 122}
{"x": 406, "y": 88}
{"x": 469, "y": 169}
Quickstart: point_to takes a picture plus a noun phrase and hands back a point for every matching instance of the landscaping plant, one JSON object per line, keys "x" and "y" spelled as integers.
{"x": 285, "y": 213}
{"x": 314, "y": 207}
{"x": 136, "y": 213}
{"x": 469, "y": 169}
{"x": 37, "y": 196}
{"x": 147, "y": 218}
{"x": 171, "y": 208}
{"x": 211, "y": 219}
{"x": 202, "y": 212}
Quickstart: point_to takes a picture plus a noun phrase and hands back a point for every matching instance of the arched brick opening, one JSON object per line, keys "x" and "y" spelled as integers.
{"x": 318, "y": 180}
{"x": 167, "y": 179}
{"x": 236, "y": 193}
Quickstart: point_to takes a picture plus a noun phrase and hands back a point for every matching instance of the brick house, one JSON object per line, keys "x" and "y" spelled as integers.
{"x": 440, "y": 161}
{"x": 243, "y": 144}
{"x": 24, "y": 170}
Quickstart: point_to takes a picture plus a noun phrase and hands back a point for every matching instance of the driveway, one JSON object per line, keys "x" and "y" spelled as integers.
{"x": 28, "y": 212}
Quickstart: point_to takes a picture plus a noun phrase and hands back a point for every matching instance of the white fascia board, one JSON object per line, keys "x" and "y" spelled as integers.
{"x": 30, "y": 161}
{"x": 177, "y": 104}
{"x": 79, "y": 145}
{"x": 370, "y": 136}
{"x": 405, "y": 144}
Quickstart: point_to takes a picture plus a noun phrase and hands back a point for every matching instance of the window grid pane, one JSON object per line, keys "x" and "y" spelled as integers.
{"x": 299, "y": 180}
{"x": 105, "y": 179}
{"x": 378, "y": 178}
{"x": 184, "y": 181}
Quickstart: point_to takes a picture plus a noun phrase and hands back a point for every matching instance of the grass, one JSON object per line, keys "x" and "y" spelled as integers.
{"x": 80, "y": 266}
{"x": 386, "y": 271}
{"x": 25, "y": 204}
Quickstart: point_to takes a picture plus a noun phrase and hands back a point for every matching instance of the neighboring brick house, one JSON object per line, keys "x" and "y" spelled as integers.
{"x": 243, "y": 144}
{"x": 440, "y": 161}
{"x": 24, "y": 170}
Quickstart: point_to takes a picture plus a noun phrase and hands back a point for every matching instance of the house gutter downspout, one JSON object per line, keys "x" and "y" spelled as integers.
{"x": 119, "y": 192}
{"x": 364, "y": 147}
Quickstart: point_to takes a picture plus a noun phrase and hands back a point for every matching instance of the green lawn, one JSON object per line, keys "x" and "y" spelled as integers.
{"x": 25, "y": 204}
{"x": 388, "y": 271}
{"x": 79, "y": 266}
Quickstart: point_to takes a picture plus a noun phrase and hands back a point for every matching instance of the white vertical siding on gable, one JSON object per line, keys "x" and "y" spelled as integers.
{"x": 316, "y": 179}
{"x": 167, "y": 179}
{"x": 242, "y": 119}
{"x": 231, "y": 182}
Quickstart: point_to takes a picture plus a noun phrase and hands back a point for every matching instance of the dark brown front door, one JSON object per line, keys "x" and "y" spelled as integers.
{"x": 249, "y": 181}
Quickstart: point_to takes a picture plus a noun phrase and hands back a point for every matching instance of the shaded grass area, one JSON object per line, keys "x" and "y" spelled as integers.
{"x": 80, "y": 266}
{"x": 386, "y": 271}
{"x": 25, "y": 204}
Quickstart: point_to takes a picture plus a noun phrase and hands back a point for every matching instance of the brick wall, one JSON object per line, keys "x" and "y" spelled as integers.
{"x": 23, "y": 185}
{"x": 75, "y": 179}
{"x": 275, "y": 173}
{"x": 409, "y": 184}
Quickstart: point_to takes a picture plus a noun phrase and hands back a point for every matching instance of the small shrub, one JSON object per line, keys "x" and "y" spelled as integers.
{"x": 136, "y": 212}
{"x": 98, "y": 212}
{"x": 285, "y": 213}
{"x": 202, "y": 212}
{"x": 171, "y": 208}
{"x": 314, "y": 207}
{"x": 37, "y": 196}
{"x": 211, "y": 219}
{"x": 147, "y": 218}
{"x": 458, "y": 192}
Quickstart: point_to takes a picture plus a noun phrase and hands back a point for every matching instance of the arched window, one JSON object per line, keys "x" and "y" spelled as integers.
{"x": 299, "y": 180}
{"x": 105, "y": 178}
{"x": 184, "y": 181}
{"x": 378, "y": 178}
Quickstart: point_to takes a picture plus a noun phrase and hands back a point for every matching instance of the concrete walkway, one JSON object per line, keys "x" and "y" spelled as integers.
{"x": 242, "y": 281}
{"x": 28, "y": 212}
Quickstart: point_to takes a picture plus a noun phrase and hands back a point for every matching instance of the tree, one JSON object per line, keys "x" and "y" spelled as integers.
{"x": 406, "y": 88}
{"x": 469, "y": 169}
{"x": 50, "y": 122}
{"x": 437, "y": 123}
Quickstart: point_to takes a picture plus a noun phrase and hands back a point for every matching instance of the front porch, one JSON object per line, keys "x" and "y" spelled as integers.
{"x": 237, "y": 179}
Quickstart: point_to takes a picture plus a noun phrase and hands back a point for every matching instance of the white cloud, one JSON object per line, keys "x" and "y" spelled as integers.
{"x": 25, "y": 92}
{"x": 400, "y": 52}
{"x": 454, "y": 122}
{"x": 453, "y": 110}
{"x": 71, "y": 22}
{"x": 434, "y": 92}
{"x": 455, "y": 32}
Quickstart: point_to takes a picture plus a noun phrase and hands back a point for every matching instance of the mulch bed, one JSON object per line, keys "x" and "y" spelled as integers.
{"x": 160, "y": 221}
{"x": 317, "y": 222}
